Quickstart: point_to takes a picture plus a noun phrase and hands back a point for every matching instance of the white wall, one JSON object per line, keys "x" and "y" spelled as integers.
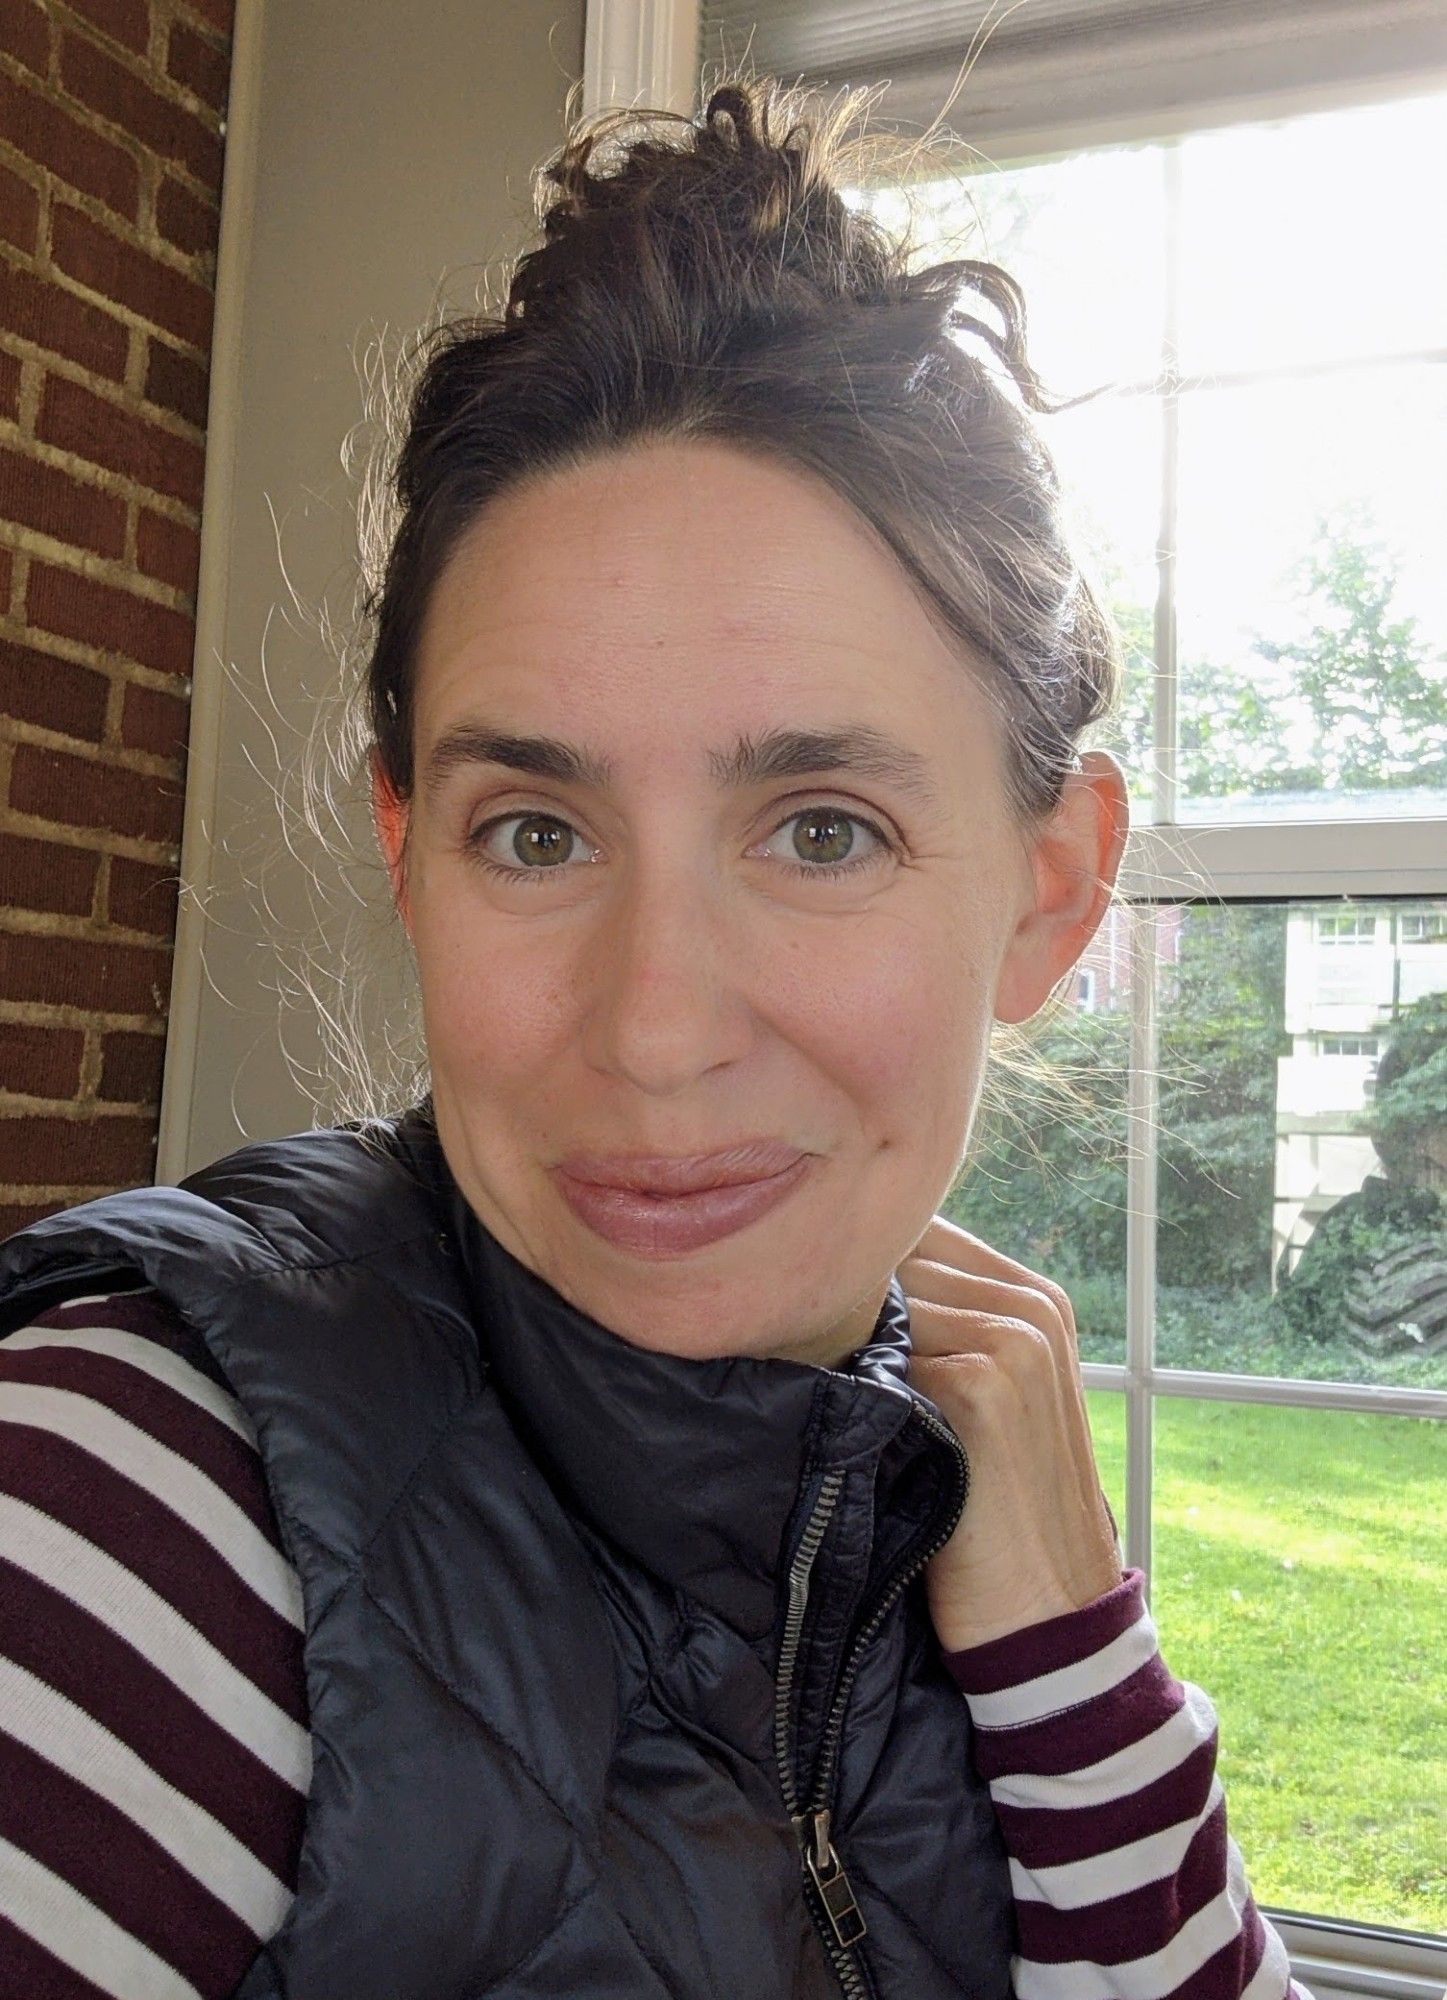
{"x": 376, "y": 152}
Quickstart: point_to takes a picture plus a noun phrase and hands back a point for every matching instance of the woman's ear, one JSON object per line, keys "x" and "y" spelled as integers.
{"x": 390, "y": 816}
{"x": 1074, "y": 860}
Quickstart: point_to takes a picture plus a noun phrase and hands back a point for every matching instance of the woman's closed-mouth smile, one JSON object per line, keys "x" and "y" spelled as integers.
{"x": 661, "y": 1207}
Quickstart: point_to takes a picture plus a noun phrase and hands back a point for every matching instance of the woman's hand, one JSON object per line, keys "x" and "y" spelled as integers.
{"x": 994, "y": 1349}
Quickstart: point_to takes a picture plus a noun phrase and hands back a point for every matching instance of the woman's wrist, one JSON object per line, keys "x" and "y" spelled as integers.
{"x": 1046, "y": 1644}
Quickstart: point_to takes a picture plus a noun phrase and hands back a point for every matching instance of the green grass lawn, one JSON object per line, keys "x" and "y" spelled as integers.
{"x": 1300, "y": 1577}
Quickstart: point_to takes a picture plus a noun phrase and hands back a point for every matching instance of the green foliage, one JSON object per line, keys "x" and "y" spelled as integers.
{"x": 1376, "y": 699}
{"x": 1356, "y": 700}
{"x": 1048, "y": 1183}
{"x": 1357, "y": 695}
{"x": 1049, "y": 1186}
{"x": 1345, "y": 695}
{"x": 1409, "y": 1110}
{"x": 1219, "y": 1040}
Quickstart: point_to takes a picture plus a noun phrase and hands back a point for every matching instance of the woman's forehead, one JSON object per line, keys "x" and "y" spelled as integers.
{"x": 581, "y": 598}
{"x": 679, "y": 548}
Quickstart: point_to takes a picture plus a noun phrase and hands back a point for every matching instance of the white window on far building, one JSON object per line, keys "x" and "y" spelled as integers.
{"x": 1346, "y": 930}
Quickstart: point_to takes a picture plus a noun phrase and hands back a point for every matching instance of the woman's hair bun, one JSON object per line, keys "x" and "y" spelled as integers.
{"x": 707, "y": 278}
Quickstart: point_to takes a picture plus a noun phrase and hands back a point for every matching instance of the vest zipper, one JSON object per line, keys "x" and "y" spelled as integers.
{"x": 828, "y": 1893}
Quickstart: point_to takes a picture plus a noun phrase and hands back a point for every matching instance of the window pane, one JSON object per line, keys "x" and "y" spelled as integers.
{"x": 1314, "y": 239}
{"x": 1298, "y": 1578}
{"x": 1045, "y": 1178}
{"x": 1312, "y": 597}
{"x": 1106, "y": 1410}
{"x": 1302, "y": 1183}
{"x": 1084, "y": 236}
{"x": 1109, "y": 456}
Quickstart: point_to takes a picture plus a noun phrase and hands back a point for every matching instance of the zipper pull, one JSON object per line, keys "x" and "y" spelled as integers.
{"x": 826, "y": 1871}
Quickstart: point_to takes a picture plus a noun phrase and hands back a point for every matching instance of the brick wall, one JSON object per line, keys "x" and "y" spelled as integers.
{"x": 111, "y": 138}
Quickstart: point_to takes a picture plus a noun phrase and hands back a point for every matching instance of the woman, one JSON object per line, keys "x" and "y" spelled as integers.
{"x": 602, "y": 1532}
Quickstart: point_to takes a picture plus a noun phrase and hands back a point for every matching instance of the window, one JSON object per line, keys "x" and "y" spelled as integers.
{"x": 1247, "y": 1193}
{"x": 1346, "y": 930}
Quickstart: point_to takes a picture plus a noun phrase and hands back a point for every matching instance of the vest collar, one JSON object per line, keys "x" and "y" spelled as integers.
{"x": 693, "y": 1467}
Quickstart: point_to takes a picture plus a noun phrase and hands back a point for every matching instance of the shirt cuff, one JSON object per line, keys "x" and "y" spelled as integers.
{"x": 1053, "y": 1643}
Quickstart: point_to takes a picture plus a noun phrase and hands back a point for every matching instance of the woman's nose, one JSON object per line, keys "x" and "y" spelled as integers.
{"x": 665, "y": 982}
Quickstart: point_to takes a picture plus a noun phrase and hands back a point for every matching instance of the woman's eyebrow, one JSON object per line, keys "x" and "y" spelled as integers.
{"x": 752, "y": 760}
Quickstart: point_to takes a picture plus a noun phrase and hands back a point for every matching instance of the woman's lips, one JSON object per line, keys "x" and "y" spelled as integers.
{"x": 666, "y": 1225}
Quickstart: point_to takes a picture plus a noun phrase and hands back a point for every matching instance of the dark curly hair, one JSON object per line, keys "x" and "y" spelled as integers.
{"x": 710, "y": 281}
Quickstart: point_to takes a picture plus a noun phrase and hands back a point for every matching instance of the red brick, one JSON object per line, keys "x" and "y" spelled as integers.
{"x": 185, "y": 220}
{"x": 155, "y": 721}
{"x": 18, "y": 1215}
{"x": 40, "y": 311}
{"x": 131, "y": 1068}
{"x": 25, "y": 34}
{"x": 168, "y": 550}
{"x": 70, "y": 1151}
{"x": 41, "y": 1062}
{"x": 73, "y": 791}
{"x": 142, "y": 896}
{"x": 176, "y": 383}
{"x": 98, "y": 259}
{"x": 111, "y": 621}
{"x": 97, "y": 974}
{"x": 196, "y": 62}
{"x": 125, "y": 21}
{"x": 50, "y": 501}
{"x": 217, "y": 13}
{"x": 75, "y": 153}
{"x": 99, "y": 430}
{"x": 162, "y": 124}
{"x": 19, "y": 211}
{"x": 53, "y": 694}
{"x": 10, "y": 386}
{"x": 43, "y": 875}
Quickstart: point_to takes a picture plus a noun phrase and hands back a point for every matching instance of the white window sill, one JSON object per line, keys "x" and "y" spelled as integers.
{"x": 1346, "y": 1962}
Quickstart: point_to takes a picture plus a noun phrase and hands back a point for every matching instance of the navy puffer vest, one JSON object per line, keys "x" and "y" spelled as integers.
{"x": 621, "y": 1676}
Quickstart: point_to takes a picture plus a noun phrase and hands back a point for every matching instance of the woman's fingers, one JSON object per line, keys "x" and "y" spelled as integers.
{"x": 949, "y": 1307}
{"x": 946, "y": 1254}
{"x": 993, "y": 1346}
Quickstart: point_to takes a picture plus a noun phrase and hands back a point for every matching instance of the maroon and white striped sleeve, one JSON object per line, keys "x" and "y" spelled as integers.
{"x": 1102, "y": 1769}
{"x": 154, "y": 1750}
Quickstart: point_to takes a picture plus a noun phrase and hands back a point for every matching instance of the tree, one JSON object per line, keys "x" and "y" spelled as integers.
{"x": 1348, "y": 683}
{"x": 1375, "y": 1266}
{"x": 1220, "y": 1035}
{"x": 1046, "y": 1181}
{"x": 1350, "y": 672}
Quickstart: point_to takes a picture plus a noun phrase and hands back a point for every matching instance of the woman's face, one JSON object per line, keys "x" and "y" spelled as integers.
{"x": 712, "y": 931}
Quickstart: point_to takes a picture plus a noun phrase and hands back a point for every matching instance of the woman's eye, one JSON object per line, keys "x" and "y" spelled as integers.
{"x": 539, "y": 845}
{"x": 825, "y": 842}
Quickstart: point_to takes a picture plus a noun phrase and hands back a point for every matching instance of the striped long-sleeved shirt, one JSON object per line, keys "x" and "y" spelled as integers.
{"x": 154, "y": 1756}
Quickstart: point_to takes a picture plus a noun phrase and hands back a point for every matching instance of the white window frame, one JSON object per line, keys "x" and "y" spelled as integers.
{"x": 646, "y": 52}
